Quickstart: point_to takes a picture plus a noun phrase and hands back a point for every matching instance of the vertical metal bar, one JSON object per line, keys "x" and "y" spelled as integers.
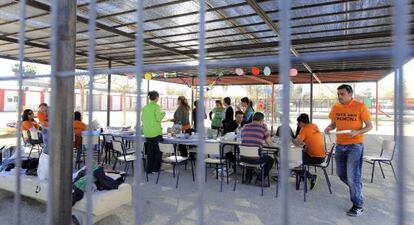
{"x": 139, "y": 49}
{"x": 273, "y": 108}
{"x": 148, "y": 89}
{"x": 91, "y": 71}
{"x": 285, "y": 65}
{"x": 63, "y": 37}
{"x": 108, "y": 98}
{"x": 311, "y": 98}
{"x": 17, "y": 196}
{"x": 202, "y": 70}
{"x": 376, "y": 105}
{"x": 400, "y": 56}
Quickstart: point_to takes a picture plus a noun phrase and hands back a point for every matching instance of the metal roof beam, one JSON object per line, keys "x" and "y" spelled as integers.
{"x": 101, "y": 26}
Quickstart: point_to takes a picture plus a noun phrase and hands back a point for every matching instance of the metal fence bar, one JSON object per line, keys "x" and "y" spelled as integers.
{"x": 138, "y": 69}
{"x": 202, "y": 71}
{"x": 400, "y": 53}
{"x": 90, "y": 148}
{"x": 17, "y": 194}
{"x": 63, "y": 34}
{"x": 285, "y": 64}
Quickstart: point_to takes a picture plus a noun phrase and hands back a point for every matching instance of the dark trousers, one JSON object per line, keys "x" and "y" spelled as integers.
{"x": 154, "y": 155}
{"x": 268, "y": 164}
{"x": 307, "y": 159}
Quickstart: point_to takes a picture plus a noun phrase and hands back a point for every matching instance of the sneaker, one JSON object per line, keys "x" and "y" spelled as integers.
{"x": 355, "y": 211}
{"x": 314, "y": 181}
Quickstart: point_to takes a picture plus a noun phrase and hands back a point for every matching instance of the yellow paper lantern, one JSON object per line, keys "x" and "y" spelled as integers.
{"x": 148, "y": 76}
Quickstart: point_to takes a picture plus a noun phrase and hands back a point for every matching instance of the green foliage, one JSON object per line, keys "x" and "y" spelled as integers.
{"x": 28, "y": 70}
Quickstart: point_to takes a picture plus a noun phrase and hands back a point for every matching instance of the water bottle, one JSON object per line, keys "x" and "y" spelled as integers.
{"x": 180, "y": 128}
{"x": 238, "y": 133}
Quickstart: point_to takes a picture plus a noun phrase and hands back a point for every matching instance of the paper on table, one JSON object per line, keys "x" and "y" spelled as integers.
{"x": 341, "y": 132}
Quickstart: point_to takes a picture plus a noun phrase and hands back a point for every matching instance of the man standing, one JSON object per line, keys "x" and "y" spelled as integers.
{"x": 254, "y": 134}
{"x": 354, "y": 116}
{"x": 151, "y": 124}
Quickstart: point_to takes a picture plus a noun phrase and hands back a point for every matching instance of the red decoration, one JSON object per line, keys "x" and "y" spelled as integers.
{"x": 255, "y": 71}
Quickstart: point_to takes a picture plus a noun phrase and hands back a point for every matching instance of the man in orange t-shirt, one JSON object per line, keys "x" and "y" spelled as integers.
{"x": 352, "y": 118}
{"x": 314, "y": 149}
{"x": 42, "y": 114}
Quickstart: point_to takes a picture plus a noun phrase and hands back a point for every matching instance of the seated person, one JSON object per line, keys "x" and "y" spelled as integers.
{"x": 29, "y": 124}
{"x": 232, "y": 127}
{"x": 42, "y": 114}
{"x": 254, "y": 134}
{"x": 314, "y": 149}
{"x": 78, "y": 127}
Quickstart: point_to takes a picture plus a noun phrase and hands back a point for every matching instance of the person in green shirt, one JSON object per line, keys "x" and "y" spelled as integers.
{"x": 218, "y": 116}
{"x": 151, "y": 125}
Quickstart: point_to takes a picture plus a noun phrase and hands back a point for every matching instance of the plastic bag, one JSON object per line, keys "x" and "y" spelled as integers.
{"x": 43, "y": 168}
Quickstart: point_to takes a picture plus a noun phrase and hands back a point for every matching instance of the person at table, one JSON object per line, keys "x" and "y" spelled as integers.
{"x": 151, "y": 125}
{"x": 232, "y": 127}
{"x": 217, "y": 115}
{"x": 314, "y": 146}
{"x": 247, "y": 106}
{"x": 228, "y": 112}
{"x": 42, "y": 114}
{"x": 194, "y": 116}
{"x": 182, "y": 117}
{"x": 78, "y": 127}
{"x": 279, "y": 129}
{"x": 254, "y": 134}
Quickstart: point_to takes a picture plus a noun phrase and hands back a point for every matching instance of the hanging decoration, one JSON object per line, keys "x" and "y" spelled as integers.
{"x": 239, "y": 71}
{"x": 185, "y": 82}
{"x": 293, "y": 72}
{"x": 148, "y": 76}
{"x": 130, "y": 76}
{"x": 221, "y": 73}
{"x": 267, "y": 71}
{"x": 255, "y": 71}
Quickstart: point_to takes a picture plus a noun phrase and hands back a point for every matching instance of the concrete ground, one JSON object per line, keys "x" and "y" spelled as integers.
{"x": 164, "y": 204}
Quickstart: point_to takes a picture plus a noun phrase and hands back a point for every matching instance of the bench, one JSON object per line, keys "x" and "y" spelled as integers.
{"x": 103, "y": 202}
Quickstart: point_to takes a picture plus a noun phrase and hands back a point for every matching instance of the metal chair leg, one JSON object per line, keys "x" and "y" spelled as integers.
{"x": 382, "y": 171}
{"x": 393, "y": 171}
{"x": 327, "y": 180}
{"x": 372, "y": 174}
{"x": 305, "y": 185}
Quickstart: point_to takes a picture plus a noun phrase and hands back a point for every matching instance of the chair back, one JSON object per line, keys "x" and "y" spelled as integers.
{"x": 387, "y": 149}
{"x": 328, "y": 157}
{"x": 108, "y": 138}
{"x": 166, "y": 148}
{"x": 118, "y": 146}
{"x": 212, "y": 149}
{"x": 249, "y": 151}
{"x": 25, "y": 134}
{"x": 34, "y": 138}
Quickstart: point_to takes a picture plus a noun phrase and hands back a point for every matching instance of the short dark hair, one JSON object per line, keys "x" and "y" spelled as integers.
{"x": 347, "y": 87}
{"x": 304, "y": 118}
{"x": 153, "y": 95}
{"x": 227, "y": 100}
{"x": 26, "y": 113}
{"x": 77, "y": 116}
{"x": 195, "y": 103}
{"x": 238, "y": 112}
{"x": 258, "y": 116}
{"x": 219, "y": 102}
{"x": 43, "y": 104}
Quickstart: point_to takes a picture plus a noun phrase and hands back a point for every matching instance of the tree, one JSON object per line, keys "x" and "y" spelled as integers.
{"x": 124, "y": 85}
{"x": 81, "y": 83}
{"x": 28, "y": 70}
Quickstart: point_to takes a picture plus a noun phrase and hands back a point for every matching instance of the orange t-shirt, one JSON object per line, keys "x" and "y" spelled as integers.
{"x": 42, "y": 119}
{"x": 27, "y": 124}
{"x": 78, "y": 127}
{"x": 315, "y": 146}
{"x": 349, "y": 117}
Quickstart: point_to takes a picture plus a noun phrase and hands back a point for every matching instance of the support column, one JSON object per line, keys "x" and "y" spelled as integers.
{"x": 192, "y": 98}
{"x": 376, "y": 106}
{"x": 311, "y": 99}
{"x": 148, "y": 90}
{"x": 273, "y": 108}
{"x": 61, "y": 126}
{"x": 108, "y": 98}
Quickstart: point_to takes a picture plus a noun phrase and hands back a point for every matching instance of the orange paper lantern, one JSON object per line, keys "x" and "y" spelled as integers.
{"x": 255, "y": 71}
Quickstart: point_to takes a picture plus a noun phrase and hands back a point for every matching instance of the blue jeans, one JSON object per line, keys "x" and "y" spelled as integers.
{"x": 348, "y": 168}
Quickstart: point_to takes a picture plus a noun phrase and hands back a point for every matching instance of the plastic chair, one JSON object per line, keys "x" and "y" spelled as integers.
{"x": 122, "y": 155}
{"x": 215, "y": 149}
{"x": 386, "y": 156}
